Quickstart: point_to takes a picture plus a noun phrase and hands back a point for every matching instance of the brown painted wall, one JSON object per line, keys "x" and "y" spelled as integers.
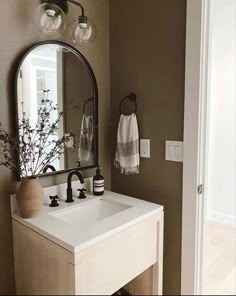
{"x": 17, "y": 33}
{"x": 148, "y": 57}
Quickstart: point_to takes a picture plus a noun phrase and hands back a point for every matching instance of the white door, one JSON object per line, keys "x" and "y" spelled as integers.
{"x": 196, "y": 135}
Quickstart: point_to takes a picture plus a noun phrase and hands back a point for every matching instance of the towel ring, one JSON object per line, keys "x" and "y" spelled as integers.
{"x": 132, "y": 97}
{"x": 87, "y": 102}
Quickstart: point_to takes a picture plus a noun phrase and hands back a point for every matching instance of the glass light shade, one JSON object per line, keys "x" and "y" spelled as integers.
{"x": 83, "y": 34}
{"x": 50, "y": 20}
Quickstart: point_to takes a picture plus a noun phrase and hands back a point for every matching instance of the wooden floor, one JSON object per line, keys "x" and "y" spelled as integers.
{"x": 219, "y": 276}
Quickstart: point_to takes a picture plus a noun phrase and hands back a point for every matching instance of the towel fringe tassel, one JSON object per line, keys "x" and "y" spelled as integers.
{"x": 127, "y": 170}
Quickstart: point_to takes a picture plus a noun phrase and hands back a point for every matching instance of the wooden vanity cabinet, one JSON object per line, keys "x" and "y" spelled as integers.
{"x": 132, "y": 257}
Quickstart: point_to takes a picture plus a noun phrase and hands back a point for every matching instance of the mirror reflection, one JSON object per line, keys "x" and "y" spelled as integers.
{"x": 60, "y": 75}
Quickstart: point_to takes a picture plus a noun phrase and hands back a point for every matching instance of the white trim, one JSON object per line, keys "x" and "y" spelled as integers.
{"x": 221, "y": 218}
{"x": 190, "y": 165}
{"x": 205, "y": 63}
{"x": 194, "y": 168}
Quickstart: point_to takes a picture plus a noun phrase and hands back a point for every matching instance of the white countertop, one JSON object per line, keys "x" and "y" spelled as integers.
{"x": 74, "y": 239}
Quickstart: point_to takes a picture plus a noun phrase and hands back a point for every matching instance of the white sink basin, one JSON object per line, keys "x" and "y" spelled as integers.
{"x": 89, "y": 213}
{"x": 84, "y": 223}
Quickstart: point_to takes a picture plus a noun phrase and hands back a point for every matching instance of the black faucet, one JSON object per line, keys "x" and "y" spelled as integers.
{"x": 49, "y": 167}
{"x": 69, "y": 188}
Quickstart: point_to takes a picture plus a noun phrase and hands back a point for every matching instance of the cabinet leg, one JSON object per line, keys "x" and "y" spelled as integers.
{"x": 158, "y": 267}
{"x": 150, "y": 282}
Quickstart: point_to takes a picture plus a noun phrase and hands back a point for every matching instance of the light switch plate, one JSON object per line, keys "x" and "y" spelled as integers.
{"x": 174, "y": 151}
{"x": 70, "y": 142}
{"x": 145, "y": 148}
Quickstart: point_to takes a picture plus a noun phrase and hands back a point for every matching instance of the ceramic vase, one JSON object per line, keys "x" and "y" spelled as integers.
{"x": 30, "y": 198}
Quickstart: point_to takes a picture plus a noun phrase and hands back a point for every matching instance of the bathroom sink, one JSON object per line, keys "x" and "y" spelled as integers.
{"x": 89, "y": 213}
{"x": 76, "y": 226}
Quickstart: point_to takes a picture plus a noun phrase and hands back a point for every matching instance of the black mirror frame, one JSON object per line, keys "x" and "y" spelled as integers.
{"x": 95, "y": 89}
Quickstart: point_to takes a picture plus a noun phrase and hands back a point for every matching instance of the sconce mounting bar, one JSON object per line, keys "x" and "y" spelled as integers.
{"x": 63, "y": 4}
{"x": 78, "y": 4}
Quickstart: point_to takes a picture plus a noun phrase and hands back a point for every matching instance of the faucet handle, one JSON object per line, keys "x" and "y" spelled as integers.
{"x": 82, "y": 193}
{"x": 54, "y": 202}
{"x": 78, "y": 163}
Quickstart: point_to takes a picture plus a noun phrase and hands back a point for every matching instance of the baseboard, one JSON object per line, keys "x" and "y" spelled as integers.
{"x": 222, "y": 218}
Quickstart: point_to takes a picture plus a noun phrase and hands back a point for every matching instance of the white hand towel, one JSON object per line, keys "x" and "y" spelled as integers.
{"x": 86, "y": 153}
{"x": 127, "y": 157}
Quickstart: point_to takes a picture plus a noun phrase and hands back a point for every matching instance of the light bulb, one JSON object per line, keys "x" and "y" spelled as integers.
{"x": 50, "y": 23}
{"x": 83, "y": 25}
{"x": 50, "y": 20}
{"x": 83, "y": 32}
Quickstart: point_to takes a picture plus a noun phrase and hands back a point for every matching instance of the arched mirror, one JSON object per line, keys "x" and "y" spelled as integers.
{"x": 56, "y": 76}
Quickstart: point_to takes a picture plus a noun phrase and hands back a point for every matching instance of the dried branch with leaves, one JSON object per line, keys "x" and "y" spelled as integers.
{"x": 37, "y": 145}
{"x": 33, "y": 149}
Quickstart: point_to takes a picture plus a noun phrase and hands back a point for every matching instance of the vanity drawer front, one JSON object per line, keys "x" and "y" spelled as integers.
{"x": 112, "y": 263}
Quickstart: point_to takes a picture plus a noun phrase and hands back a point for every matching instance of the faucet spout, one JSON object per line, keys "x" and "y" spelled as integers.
{"x": 69, "y": 187}
{"x": 49, "y": 167}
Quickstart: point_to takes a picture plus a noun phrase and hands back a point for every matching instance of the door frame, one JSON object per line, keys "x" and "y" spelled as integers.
{"x": 195, "y": 144}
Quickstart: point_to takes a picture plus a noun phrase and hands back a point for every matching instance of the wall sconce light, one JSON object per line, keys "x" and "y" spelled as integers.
{"x": 51, "y": 22}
